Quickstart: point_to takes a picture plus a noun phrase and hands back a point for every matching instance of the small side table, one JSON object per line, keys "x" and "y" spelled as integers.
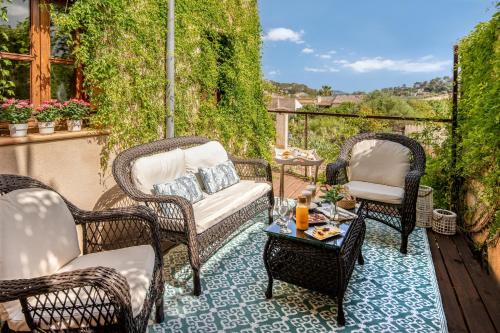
{"x": 323, "y": 266}
{"x": 296, "y": 161}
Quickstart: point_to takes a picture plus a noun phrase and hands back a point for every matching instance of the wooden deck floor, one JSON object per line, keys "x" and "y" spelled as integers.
{"x": 471, "y": 297}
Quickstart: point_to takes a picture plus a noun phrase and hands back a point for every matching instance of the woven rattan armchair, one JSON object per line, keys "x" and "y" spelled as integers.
{"x": 175, "y": 214}
{"x": 398, "y": 214}
{"x": 93, "y": 299}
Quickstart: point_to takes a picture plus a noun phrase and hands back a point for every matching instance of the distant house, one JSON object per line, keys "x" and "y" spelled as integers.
{"x": 294, "y": 103}
{"x": 339, "y": 99}
{"x": 306, "y": 100}
{"x": 281, "y": 103}
{"x": 324, "y": 101}
{"x": 336, "y": 100}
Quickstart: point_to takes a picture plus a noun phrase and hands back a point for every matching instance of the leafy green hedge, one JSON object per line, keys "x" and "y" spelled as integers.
{"x": 479, "y": 120}
{"x": 218, "y": 75}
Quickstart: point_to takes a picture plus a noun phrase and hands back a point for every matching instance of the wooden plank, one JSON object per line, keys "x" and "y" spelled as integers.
{"x": 486, "y": 286}
{"x": 44, "y": 50}
{"x": 35, "y": 79}
{"x": 474, "y": 311}
{"x": 452, "y": 310}
{"x": 16, "y": 56}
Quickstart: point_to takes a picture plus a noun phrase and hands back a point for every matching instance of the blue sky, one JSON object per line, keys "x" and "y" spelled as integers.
{"x": 364, "y": 44}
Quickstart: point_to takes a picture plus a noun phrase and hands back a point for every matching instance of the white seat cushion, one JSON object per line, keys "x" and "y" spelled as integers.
{"x": 216, "y": 207}
{"x": 204, "y": 156}
{"x": 157, "y": 169}
{"x": 380, "y": 162}
{"x": 376, "y": 192}
{"x": 136, "y": 264}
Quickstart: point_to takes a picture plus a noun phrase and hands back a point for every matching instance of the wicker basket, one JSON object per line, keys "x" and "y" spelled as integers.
{"x": 424, "y": 207}
{"x": 347, "y": 203}
{"x": 444, "y": 221}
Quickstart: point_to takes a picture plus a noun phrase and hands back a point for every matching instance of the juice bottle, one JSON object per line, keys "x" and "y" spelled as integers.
{"x": 302, "y": 214}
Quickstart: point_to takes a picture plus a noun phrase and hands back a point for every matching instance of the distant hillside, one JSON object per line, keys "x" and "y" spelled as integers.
{"x": 292, "y": 88}
{"x": 436, "y": 86}
{"x": 283, "y": 88}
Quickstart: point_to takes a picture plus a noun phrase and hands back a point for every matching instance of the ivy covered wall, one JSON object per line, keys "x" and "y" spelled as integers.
{"x": 219, "y": 86}
{"x": 479, "y": 128}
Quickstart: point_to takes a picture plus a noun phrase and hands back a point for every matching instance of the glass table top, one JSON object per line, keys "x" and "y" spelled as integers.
{"x": 298, "y": 235}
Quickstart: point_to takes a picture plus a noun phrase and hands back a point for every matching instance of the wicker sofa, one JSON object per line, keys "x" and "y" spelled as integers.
{"x": 206, "y": 225}
{"x": 382, "y": 170}
{"x": 46, "y": 284}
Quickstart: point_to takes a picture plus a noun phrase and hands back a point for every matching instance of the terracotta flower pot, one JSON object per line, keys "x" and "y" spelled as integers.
{"x": 46, "y": 127}
{"x": 18, "y": 130}
{"x": 74, "y": 125}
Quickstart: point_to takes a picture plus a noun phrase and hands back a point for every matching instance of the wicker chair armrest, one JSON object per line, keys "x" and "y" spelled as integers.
{"x": 257, "y": 169}
{"x": 336, "y": 172}
{"x": 38, "y": 295}
{"x": 119, "y": 228}
{"x": 412, "y": 183}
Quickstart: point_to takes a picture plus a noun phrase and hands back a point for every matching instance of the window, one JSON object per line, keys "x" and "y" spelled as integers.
{"x": 35, "y": 60}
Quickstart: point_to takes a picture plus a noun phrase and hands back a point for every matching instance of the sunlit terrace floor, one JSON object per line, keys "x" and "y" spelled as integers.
{"x": 470, "y": 296}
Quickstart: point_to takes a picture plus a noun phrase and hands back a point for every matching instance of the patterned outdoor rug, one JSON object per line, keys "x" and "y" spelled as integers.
{"x": 390, "y": 293}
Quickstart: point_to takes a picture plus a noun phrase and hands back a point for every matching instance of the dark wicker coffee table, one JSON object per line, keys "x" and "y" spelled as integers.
{"x": 323, "y": 266}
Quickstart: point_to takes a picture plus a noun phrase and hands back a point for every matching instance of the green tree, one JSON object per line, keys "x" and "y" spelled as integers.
{"x": 325, "y": 91}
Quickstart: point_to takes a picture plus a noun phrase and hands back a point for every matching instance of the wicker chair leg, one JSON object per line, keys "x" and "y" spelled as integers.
{"x": 270, "y": 215}
{"x": 361, "y": 260}
{"x": 340, "y": 310}
{"x": 159, "y": 314}
{"x": 196, "y": 282}
{"x": 404, "y": 244}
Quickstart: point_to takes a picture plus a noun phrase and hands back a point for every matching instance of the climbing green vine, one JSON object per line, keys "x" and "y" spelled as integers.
{"x": 479, "y": 124}
{"x": 121, "y": 47}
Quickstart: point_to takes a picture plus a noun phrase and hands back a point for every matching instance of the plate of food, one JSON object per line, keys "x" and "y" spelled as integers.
{"x": 323, "y": 232}
{"x": 317, "y": 218}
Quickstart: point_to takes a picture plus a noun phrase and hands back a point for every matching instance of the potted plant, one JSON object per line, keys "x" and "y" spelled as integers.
{"x": 74, "y": 111}
{"x": 16, "y": 113}
{"x": 47, "y": 114}
{"x": 332, "y": 195}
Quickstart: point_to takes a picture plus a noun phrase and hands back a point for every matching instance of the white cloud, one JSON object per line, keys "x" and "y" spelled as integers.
{"x": 284, "y": 34}
{"x": 332, "y": 52}
{"x": 307, "y": 50}
{"x": 273, "y": 73}
{"x": 408, "y": 66}
{"x": 321, "y": 70}
{"x": 427, "y": 57}
{"x": 325, "y": 56}
{"x": 341, "y": 62}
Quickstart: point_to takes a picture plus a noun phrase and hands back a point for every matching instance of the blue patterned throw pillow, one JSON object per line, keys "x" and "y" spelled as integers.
{"x": 219, "y": 177}
{"x": 186, "y": 186}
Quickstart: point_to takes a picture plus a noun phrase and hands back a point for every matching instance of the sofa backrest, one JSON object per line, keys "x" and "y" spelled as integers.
{"x": 163, "y": 167}
{"x": 37, "y": 234}
{"x": 156, "y": 169}
{"x": 380, "y": 162}
{"x": 205, "y": 156}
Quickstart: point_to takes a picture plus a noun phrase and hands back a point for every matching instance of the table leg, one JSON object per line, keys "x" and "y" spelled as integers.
{"x": 269, "y": 290}
{"x": 316, "y": 174}
{"x": 282, "y": 182}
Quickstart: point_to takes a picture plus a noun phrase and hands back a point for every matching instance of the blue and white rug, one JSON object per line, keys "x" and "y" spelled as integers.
{"x": 389, "y": 293}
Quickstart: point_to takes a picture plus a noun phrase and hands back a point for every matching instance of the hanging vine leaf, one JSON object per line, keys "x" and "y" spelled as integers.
{"x": 219, "y": 88}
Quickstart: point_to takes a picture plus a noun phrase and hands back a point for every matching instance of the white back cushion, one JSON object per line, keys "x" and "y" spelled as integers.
{"x": 37, "y": 234}
{"x": 379, "y": 161}
{"x": 157, "y": 169}
{"x": 205, "y": 156}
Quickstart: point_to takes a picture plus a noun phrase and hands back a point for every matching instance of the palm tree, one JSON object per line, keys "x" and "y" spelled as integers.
{"x": 325, "y": 91}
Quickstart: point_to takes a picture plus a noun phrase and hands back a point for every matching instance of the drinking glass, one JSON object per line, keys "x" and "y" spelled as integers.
{"x": 284, "y": 207}
{"x": 333, "y": 214}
